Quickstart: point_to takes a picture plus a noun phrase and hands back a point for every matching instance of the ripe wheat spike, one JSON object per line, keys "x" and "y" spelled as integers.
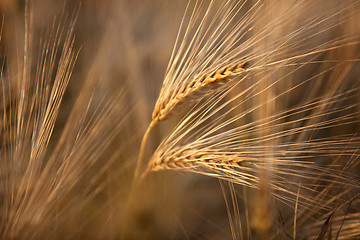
{"x": 221, "y": 76}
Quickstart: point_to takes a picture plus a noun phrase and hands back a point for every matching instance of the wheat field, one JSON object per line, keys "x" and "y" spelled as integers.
{"x": 184, "y": 119}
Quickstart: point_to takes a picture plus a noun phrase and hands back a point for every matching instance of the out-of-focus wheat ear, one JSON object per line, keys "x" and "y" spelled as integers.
{"x": 31, "y": 103}
{"x": 164, "y": 107}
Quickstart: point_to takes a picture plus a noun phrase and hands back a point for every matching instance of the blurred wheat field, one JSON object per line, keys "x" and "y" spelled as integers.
{"x": 208, "y": 119}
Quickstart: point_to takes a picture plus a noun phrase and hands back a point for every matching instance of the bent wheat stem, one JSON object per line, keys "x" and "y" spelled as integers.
{"x": 142, "y": 152}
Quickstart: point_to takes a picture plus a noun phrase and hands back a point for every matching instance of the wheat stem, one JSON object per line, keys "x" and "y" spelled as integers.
{"x": 142, "y": 151}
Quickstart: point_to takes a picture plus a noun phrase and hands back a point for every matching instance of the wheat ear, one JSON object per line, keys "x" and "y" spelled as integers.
{"x": 163, "y": 108}
{"x": 180, "y": 158}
